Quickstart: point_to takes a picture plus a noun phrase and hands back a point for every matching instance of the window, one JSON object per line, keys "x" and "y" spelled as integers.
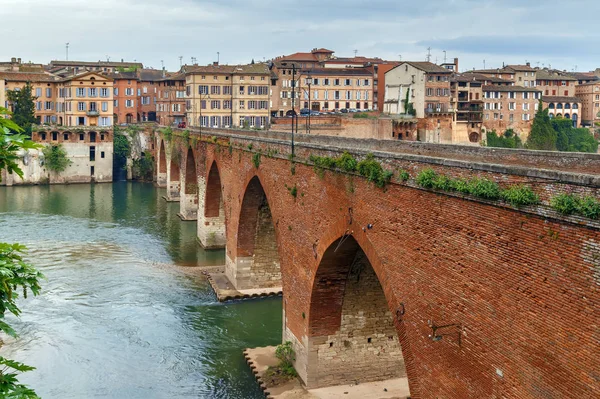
{"x": 336, "y": 95}
{"x": 241, "y": 89}
{"x": 104, "y": 121}
{"x": 242, "y": 121}
{"x": 104, "y": 92}
{"x": 116, "y": 91}
{"x": 263, "y": 105}
{"x": 366, "y": 82}
{"x": 429, "y": 92}
{"x": 129, "y": 103}
{"x": 315, "y": 95}
{"x": 336, "y": 82}
{"x": 251, "y": 104}
{"x": 92, "y": 153}
{"x": 227, "y": 121}
{"x": 129, "y": 91}
{"x": 227, "y": 104}
{"x": 326, "y": 82}
{"x": 347, "y": 82}
{"x": 102, "y": 154}
{"x": 38, "y": 92}
{"x": 525, "y": 117}
{"x": 80, "y": 92}
{"x": 81, "y": 106}
{"x": 511, "y": 106}
{"x": 242, "y": 105}
{"x": 203, "y": 89}
{"x": 512, "y": 94}
{"x": 93, "y": 92}
{"x": 38, "y": 105}
{"x": 115, "y": 103}
{"x": 525, "y": 106}
{"x": 48, "y": 92}
{"x": 48, "y": 105}
{"x": 54, "y": 136}
{"x": 215, "y": 104}
{"x": 104, "y": 106}
{"x": 92, "y": 170}
{"x": 215, "y": 89}
{"x": 326, "y": 104}
{"x": 227, "y": 90}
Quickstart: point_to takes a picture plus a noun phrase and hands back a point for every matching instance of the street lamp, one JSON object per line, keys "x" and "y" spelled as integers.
{"x": 309, "y": 81}
{"x": 293, "y": 102}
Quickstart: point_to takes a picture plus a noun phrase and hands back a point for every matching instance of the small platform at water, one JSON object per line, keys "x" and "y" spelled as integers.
{"x": 260, "y": 359}
{"x": 226, "y": 291}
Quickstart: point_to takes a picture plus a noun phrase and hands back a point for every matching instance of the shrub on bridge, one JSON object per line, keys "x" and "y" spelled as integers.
{"x": 373, "y": 171}
{"x": 568, "y": 204}
{"x": 520, "y": 195}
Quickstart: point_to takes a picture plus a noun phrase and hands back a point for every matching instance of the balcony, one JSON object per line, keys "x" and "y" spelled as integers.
{"x": 469, "y": 108}
{"x": 442, "y": 109}
{"x": 92, "y": 113}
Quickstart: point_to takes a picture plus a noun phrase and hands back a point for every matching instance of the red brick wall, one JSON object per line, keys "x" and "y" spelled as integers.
{"x": 523, "y": 288}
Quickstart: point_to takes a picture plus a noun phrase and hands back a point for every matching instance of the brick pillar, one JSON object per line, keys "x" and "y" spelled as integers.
{"x": 211, "y": 222}
{"x": 173, "y": 180}
{"x": 188, "y": 203}
{"x": 161, "y": 170}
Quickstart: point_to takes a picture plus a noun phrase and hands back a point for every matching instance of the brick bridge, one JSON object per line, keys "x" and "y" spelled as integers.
{"x": 466, "y": 298}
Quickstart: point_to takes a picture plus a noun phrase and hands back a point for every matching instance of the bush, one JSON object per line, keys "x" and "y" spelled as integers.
{"x": 484, "y": 188}
{"x": 346, "y": 162}
{"x": 56, "y": 158}
{"x": 373, "y": 171}
{"x": 508, "y": 140}
{"x": 568, "y": 204}
{"x": 256, "y": 159}
{"x": 403, "y": 175}
{"x": 143, "y": 168}
{"x": 426, "y": 177}
{"x": 520, "y": 195}
{"x": 286, "y": 355}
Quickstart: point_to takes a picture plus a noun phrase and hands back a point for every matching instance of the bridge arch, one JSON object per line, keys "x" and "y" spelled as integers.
{"x": 161, "y": 173}
{"x": 189, "y": 191}
{"x": 257, "y": 262}
{"x": 211, "y": 211}
{"x": 352, "y": 334}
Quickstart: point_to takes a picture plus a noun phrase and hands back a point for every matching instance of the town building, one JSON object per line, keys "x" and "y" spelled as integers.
{"x": 563, "y": 106}
{"x": 85, "y": 100}
{"x": 65, "y": 68}
{"x": 171, "y": 100}
{"x": 125, "y": 98}
{"x": 555, "y": 83}
{"x": 466, "y": 98}
{"x": 228, "y": 95}
{"x": 42, "y": 89}
{"x": 519, "y": 75}
{"x": 148, "y": 93}
{"x": 589, "y": 96}
{"x": 510, "y": 107}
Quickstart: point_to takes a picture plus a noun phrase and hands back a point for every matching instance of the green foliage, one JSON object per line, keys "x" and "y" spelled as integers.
{"x": 403, "y": 175}
{"x": 143, "y": 168}
{"x": 346, "y": 162}
{"x": 56, "y": 159}
{"x": 373, "y": 171}
{"x": 250, "y": 146}
{"x": 362, "y": 115}
{"x": 256, "y": 159}
{"x": 11, "y": 141}
{"x": 167, "y": 133}
{"x": 568, "y": 204}
{"x": 409, "y": 108}
{"x": 520, "y": 195}
{"x": 292, "y": 190}
{"x": 508, "y": 140}
{"x": 23, "y": 108}
{"x": 542, "y": 135}
{"x": 15, "y": 275}
{"x": 286, "y": 355}
{"x": 186, "y": 135}
{"x": 122, "y": 148}
{"x": 573, "y": 139}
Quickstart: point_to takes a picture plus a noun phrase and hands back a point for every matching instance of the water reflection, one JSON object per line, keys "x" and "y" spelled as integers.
{"x": 113, "y": 321}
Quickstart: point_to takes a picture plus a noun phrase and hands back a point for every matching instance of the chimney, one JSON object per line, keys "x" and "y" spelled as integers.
{"x": 215, "y": 63}
{"x": 18, "y": 60}
{"x": 456, "y": 64}
{"x": 528, "y": 64}
{"x": 164, "y": 72}
{"x": 13, "y": 60}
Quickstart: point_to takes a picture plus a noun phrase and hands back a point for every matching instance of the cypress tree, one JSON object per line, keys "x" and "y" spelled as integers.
{"x": 23, "y": 108}
{"x": 542, "y": 135}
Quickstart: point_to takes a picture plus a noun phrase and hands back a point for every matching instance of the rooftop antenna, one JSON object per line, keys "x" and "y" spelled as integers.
{"x": 445, "y": 57}
{"x": 355, "y": 52}
{"x": 428, "y": 54}
{"x": 162, "y": 64}
{"x": 180, "y": 61}
{"x": 575, "y": 68}
{"x": 483, "y": 64}
{"x": 400, "y": 55}
{"x": 107, "y": 58}
{"x": 218, "y": 57}
{"x": 67, "y": 46}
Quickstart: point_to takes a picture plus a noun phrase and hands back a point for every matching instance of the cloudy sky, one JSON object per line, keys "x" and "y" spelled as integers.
{"x": 562, "y": 34}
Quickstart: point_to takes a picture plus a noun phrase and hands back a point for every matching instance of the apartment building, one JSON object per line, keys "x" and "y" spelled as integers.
{"x": 228, "y": 95}
{"x": 42, "y": 87}
{"x": 466, "y": 98}
{"x": 510, "y": 107}
{"x": 563, "y": 106}
{"x": 125, "y": 98}
{"x": 148, "y": 93}
{"x": 171, "y": 99}
{"x": 519, "y": 75}
{"x": 589, "y": 96}
{"x": 85, "y": 100}
{"x": 307, "y": 60}
{"x": 65, "y": 68}
{"x": 428, "y": 86}
{"x": 555, "y": 83}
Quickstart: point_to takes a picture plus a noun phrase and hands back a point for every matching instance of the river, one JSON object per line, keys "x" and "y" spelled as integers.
{"x": 119, "y": 315}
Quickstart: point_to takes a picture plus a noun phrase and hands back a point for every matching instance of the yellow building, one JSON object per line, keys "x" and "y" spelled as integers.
{"x": 227, "y": 96}
{"x": 42, "y": 89}
{"x": 85, "y": 100}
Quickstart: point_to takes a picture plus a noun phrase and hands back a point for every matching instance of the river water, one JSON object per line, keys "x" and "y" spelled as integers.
{"x": 120, "y": 316}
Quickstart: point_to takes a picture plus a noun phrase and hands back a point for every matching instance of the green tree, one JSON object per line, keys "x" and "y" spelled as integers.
{"x": 542, "y": 135}
{"x": 23, "y": 108}
{"x": 15, "y": 274}
{"x": 56, "y": 158}
{"x": 574, "y": 139}
{"x": 508, "y": 140}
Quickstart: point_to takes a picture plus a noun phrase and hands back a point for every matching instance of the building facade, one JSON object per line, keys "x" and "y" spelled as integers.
{"x": 466, "y": 98}
{"x": 555, "y": 83}
{"x": 228, "y": 96}
{"x": 565, "y": 107}
{"x": 43, "y": 89}
{"x": 171, "y": 100}
{"x": 510, "y": 107}
{"x": 125, "y": 98}
{"x": 589, "y": 95}
{"x": 85, "y": 100}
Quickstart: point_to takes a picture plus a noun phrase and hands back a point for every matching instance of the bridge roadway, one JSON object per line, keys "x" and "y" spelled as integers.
{"x": 465, "y": 297}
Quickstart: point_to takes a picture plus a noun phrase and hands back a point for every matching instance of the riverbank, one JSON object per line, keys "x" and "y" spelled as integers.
{"x": 260, "y": 359}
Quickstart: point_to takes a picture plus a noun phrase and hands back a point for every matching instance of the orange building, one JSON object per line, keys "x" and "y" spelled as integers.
{"x": 171, "y": 99}
{"x": 125, "y": 97}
